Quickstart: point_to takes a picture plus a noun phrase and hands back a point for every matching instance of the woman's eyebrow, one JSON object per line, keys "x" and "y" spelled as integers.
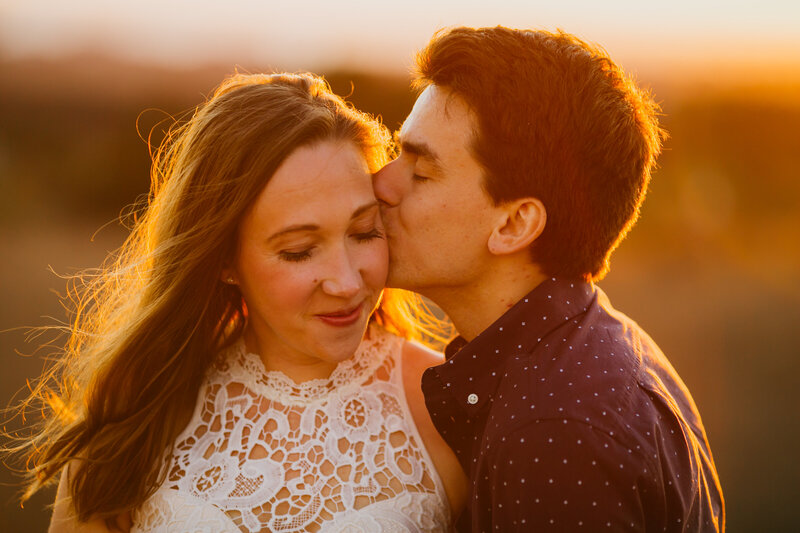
{"x": 314, "y": 227}
{"x": 292, "y": 229}
{"x": 366, "y": 207}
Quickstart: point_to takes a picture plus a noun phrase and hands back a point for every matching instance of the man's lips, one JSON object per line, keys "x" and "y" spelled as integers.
{"x": 342, "y": 317}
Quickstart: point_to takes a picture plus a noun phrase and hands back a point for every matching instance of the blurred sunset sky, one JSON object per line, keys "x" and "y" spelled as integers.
{"x": 712, "y": 38}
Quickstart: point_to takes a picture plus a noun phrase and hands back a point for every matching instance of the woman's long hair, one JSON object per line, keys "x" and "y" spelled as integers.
{"x": 147, "y": 327}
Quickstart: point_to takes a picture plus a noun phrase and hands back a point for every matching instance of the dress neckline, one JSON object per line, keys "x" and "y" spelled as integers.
{"x": 240, "y": 365}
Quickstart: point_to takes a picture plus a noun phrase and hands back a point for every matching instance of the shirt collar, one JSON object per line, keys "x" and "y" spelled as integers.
{"x": 473, "y": 369}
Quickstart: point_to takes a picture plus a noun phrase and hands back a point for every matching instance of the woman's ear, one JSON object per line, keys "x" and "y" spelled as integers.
{"x": 228, "y": 275}
{"x": 522, "y": 222}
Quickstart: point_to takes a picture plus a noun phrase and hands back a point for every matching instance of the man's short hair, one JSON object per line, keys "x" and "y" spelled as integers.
{"x": 559, "y": 121}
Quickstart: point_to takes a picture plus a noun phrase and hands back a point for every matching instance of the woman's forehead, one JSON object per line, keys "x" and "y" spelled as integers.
{"x": 329, "y": 180}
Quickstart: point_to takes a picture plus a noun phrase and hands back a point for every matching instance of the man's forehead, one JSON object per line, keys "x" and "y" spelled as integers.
{"x": 421, "y": 115}
{"x": 440, "y": 120}
{"x": 436, "y": 102}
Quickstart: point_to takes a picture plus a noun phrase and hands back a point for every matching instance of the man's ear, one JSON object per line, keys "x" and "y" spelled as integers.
{"x": 522, "y": 222}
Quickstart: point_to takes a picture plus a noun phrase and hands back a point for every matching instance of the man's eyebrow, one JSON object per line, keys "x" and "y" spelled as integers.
{"x": 420, "y": 149}
{"x": 313, "y": 227}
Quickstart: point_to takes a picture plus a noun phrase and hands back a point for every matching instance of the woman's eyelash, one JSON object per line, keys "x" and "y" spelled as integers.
{"x": 417, "y": 177}
{"x": 368, "y": 236}
{"x": 295, "y": 257}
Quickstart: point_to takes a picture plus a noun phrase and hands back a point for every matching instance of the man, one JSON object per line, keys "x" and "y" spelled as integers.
{"x": 523, "y": 164}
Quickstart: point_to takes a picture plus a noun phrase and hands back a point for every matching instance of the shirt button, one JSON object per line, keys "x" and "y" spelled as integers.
{"x": 472, "y": 399}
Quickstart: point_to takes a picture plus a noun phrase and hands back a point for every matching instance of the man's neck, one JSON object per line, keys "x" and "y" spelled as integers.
{"x": 474, "y": 308}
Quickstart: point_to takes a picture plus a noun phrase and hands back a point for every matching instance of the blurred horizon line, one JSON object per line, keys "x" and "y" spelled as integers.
{"x": 781, "y": 78}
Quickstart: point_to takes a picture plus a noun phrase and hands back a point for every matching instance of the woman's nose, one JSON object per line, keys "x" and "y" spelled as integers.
{"x": 344, "y": 279}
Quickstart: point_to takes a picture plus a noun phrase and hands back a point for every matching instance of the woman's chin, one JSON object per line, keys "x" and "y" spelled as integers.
{"x": 343, "y": 344}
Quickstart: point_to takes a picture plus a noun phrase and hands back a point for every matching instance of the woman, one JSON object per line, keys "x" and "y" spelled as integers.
{"x": 215, "y": 378}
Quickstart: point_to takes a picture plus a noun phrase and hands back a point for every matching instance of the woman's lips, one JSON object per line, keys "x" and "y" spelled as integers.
{"x": 343, "y": 318}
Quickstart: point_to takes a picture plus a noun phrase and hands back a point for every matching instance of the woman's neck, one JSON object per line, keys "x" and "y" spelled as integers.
{"x": 297, "y": 367}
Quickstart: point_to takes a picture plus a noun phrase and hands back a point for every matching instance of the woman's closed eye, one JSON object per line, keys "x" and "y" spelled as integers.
{"x": 374, "y": 233}
{"x": 295, "y": 257}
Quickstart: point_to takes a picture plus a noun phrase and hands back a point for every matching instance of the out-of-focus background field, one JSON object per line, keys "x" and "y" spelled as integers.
{"x": 711, "y": 270}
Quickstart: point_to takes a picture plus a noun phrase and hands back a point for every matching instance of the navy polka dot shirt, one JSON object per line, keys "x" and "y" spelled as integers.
{"x": 567, "y": 417}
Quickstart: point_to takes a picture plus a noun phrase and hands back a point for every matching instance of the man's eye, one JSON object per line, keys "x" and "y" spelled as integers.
{"x": 419, "y": 178}
{"x": 295, "y": 257}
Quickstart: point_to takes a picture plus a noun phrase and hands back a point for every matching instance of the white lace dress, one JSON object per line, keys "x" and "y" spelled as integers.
{"x": 263, "y": 453}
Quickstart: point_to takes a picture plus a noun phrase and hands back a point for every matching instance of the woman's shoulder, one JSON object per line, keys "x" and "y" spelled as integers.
{"x": 410, "y": 357}
{"x": 417, "y": 358}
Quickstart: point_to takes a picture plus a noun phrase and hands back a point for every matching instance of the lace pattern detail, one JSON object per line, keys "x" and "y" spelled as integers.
{"x": 279, "y": 387}
{"x": 173, "y": 511}
{"x": 268, "y": 454}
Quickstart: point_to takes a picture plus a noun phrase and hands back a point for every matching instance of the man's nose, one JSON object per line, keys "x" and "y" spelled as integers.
{"x": 384, "y": 182}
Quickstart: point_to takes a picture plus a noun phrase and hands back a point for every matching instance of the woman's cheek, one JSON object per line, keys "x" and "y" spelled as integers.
{"x": 290, "y": 284}
{"x": 378, "y": 261}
